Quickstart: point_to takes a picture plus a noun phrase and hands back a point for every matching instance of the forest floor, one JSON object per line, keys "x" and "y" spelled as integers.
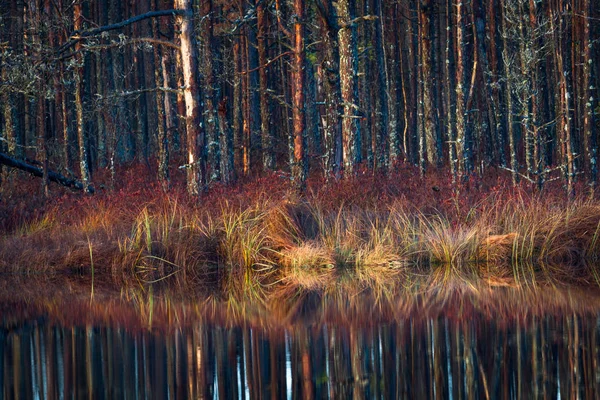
{"x": 258, "y": 238}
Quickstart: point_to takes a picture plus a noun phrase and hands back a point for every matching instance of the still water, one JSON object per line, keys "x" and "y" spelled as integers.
{"x": 58, "y": 352}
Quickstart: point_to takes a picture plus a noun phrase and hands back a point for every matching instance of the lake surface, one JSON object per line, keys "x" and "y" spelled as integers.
{"x": 119, "y": 345}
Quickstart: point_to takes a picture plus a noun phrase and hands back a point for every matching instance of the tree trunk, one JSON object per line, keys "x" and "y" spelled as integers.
{"x": 81, "y": 136}
{"x": 210, "y": 94}
{"x": 253, "y": 104}
{"x": 299, "y": 169}
{"x": 450, "y": 109}
{"x": 159, "y": 81}
{"x": 237, "y": 107}
{"x": 461, "y": 123}
{"x": 591, "y": 103}
{"x": 349, "y": 84}
{"x": 427, "y": 100}
{"x": 9, "y": 126}
{"x": 268, "y": 155}
{"x": 332, "y": 128}
{"x": 196, "y": 142}
{"x": 227, "y": 150}
{"x": 51, "y": 176}
{"x": 514, "y": 166}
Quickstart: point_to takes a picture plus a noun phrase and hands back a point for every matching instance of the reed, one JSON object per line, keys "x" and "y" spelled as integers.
{"x": 260, "y": 242}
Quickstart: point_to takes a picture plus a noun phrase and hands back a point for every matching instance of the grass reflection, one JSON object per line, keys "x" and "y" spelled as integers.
{"x": 466, "y": 351}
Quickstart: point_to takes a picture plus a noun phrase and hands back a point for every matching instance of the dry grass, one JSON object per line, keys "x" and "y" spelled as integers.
{"x": 262, "y": 241}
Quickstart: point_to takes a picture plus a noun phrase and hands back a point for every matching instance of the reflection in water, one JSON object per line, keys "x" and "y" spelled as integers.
{"x": 531, "y": 357}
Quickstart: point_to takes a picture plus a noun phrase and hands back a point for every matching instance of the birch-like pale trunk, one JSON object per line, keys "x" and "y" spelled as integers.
{"x": 196, "y": 141}
{"x": 347, "y": 38}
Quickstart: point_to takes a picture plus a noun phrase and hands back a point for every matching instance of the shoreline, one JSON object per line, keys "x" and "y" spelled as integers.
{"x": 262, "y": 237}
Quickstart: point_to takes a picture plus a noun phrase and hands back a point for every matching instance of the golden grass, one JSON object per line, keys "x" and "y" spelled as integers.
{"x": 250, "y": 250}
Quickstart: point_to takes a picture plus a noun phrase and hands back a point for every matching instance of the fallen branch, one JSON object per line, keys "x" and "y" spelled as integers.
{"x": 80, "y": 35}
{"x": 52, "y": 176}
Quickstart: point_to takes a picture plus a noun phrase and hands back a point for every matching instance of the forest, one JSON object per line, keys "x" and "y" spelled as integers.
{"x": 257, "y": 146}
{"x": 219, "y": 90}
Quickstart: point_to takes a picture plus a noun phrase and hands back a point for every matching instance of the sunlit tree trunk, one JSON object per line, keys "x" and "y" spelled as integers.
{"x": 299, "y": 168}
{"x": 196, "y": 142}
{"x": 564, "y": 127}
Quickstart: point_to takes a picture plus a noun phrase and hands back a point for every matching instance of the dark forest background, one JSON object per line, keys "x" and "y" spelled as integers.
{"x": 217, "y": 90}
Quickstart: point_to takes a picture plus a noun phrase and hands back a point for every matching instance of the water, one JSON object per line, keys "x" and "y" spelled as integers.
{"x": 116, "y": 347}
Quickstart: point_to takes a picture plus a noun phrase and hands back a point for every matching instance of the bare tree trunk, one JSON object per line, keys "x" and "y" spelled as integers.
{"x": 159, "y": 81}
{"x": 268, "y": 155}
{"x": 589, "y": 82}
{"x": 349, "y": 83}
{"x": 333, "y": 97}
{"x": 514, "y": 166}
{"x": 564, "y": 94}
{"x": 367, "y": 89}
{"x": 210, "y": 93}
{"x": 396, "y": 99}
{"x": 253, "y": 104}
{"x": 181, "y": 120}
{"x": 196, "y": 141}
{"x": 428, "y": 102}
{"x": 237, "y": 106}
{"x": 226, "y": 144}
{"x": 450, "y": 110}
{"x": 382, "y": 85}
{"x": 495, "y": 99}
{"x": 461, "y": 123}
{"x": 9, "y": 125}
{"x": 81, "y": 137}
{"x": 42, "y": 145}
{"x": 299, "y": 169}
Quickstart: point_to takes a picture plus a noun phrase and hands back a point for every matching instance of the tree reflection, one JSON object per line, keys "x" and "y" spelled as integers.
{"x": 440, "y": 357}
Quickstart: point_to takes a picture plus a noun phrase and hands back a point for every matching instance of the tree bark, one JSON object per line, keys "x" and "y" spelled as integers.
{"x": 449, "y": 100}
{"x": 81, "y": 136}
{"x": 428, "y": 102}
{"x": 211, "y": 119}
{"x": 591, "y": 103}
{"x": 299, "y": 168}
{"x": 514, "y": 166}
{"x": 52, "y": 176}
{"x": 349, "y": 84}
{"x": 163, "y": 142}
{"x": 196, "y": 142}
{"x": 333, "y": 98}
{"x": 268, "y": 155}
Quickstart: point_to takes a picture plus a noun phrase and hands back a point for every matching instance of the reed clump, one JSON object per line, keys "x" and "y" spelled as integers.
{"x": 278, "y": 240}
